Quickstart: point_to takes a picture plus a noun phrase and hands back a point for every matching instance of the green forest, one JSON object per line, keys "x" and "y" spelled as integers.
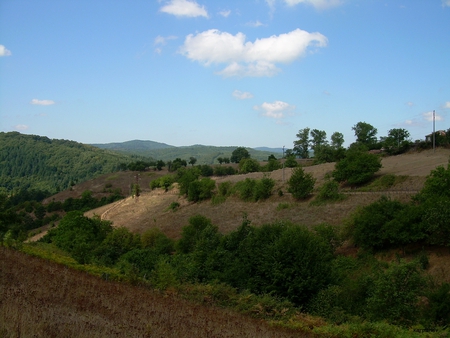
{"x": 39, "y": 163}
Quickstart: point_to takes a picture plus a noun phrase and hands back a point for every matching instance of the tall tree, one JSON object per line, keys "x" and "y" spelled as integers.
{"x": 365, "y": 133}
{"x": 192, "y": 160}
{"x": 337, "y": 140}
{"x": 319, "y": 138}
{"x": 301, "y": 146}
{"x": 238, "y": 154}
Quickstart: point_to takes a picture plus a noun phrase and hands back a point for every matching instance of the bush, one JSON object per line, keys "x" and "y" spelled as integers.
{"x": 301, "y": 185}
{"x": 249, "y": 165}
{"x": 79, "y": 235}
{"x": 290, "y": 162}
{"x": 201, "y": 190}
{"x": 272, "y": 165}
{"x": 263, "y": 188}
{"x": 395, "y": 293}
{"x": 245, "y": 189}
{"x": 329, "y": 191}
{"x": 357, "y": 167}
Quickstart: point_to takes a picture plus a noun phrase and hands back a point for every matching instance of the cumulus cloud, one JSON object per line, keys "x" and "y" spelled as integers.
{"x": 4, "y": 51}
{"x": 42, "y": 102}
{"x": 410, "y": 104}
{"x": 276, "y": 110}
{"x": 318, "y": 4}
{"x": 245, "y": 58}
{"x": 21, "y": 127}
{"x": 242, "y": 95}
{"x": 184, "y": 8}
{"x": 447, "y": 104}
{"x": 428, "y": 116}
{"x": 225, "y": 14}
{"x": 445, "y": 3}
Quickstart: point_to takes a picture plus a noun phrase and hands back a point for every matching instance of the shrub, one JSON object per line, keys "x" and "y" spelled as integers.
{"x": 329, "y": 191}
{"x": 201, "y": 190}
{"x": 263, "y": 188}
{"x": 357, "y": 167}
{"x": 245, "y": 188}
{"x": 249, "y": 165}
{"x": 272, "y": 165}
{"x": 116, "y": 243}
{"x": 395, "y": 292}
{"x": 191, "y": 233}
{"x": 369, "y": 223}
{"x": 290, "y": 162}
{"x": 301, "y": 185}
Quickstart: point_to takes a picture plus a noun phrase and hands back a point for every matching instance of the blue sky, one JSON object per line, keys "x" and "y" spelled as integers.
{"x": 223, "y": 73}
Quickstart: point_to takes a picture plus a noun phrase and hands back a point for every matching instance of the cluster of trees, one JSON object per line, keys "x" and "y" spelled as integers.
{"x": 397, "y": 141}
{"x": 24, "y": 211}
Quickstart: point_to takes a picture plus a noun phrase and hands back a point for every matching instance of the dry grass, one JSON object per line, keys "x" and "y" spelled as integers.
{"x": 44, "y": 299}
{"x": 151, "y": 208}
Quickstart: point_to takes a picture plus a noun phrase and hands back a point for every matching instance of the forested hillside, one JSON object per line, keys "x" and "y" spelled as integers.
{"x": 36, "y": 162}
{"x": 161, "y": 151}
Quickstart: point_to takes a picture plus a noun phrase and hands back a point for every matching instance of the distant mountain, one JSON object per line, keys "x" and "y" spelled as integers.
{"x": 272, "y": 150}
{"x": 134, "y": 146}
{"x": 37, "y": 162}
{"x": 161, "y": 151}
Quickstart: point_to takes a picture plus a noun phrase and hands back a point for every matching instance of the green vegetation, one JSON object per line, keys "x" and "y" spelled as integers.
{"x": 357, "y": 167}
{"x": 34, "y": 162}
{"x": 301, "y": 184}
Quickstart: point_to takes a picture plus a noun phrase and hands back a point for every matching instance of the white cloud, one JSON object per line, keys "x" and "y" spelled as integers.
{"x": 318, "y": 4}
{"x": 258, "y": 58}
{"x": 42, "y": 102}
{"x": 21, "y": 127}
{"x": 161, "y": 41}
{"x": 276, "y": 110}
{"x": 445, "y": 3}
{"x": 224, "y": 13}
{"x": 410, "y": 104}
{"x": 428, "y": 116}
{"x": 447, "y": 104}
{"x": 4, "y": 51}
{"x": 184, "y": 8}
{"x": 256, "y": 23}
{"x": 242, "y": 95}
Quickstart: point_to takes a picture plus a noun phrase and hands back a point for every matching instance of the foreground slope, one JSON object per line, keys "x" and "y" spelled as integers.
{"x": 43, "y": 299}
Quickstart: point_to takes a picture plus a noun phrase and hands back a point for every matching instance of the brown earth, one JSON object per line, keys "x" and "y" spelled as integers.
{"x": 47, "y": 300}
{"x": 152, "y": 207}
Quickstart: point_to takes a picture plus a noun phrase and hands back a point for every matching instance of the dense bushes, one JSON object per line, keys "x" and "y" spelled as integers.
{"x": 386, "y": 223}
{"x": 357, "y": 167}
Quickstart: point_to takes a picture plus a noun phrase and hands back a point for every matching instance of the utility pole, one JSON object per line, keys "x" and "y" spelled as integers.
{"x": 284, "y": 160}
{"x": 434, "y": 132}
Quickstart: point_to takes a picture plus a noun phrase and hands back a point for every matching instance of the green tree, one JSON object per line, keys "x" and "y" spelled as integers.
{"x": 160, "y": 164}
{"x": 365, "y": 133}
{"x": 79, "y": 235}
{"x": 290, "y": 162}
{"x": 238, "y": 154}
{"x": 301, "y": 184}
{"x": 356, "y": 167}
{"x": 337, "y": 140}
{"x": 318, "y": 138}
{"x": 249, "y": 165}
{"x": 397, "y": 141}
{"x": 192, "y": 160}
{"x": 301, "y": 146}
